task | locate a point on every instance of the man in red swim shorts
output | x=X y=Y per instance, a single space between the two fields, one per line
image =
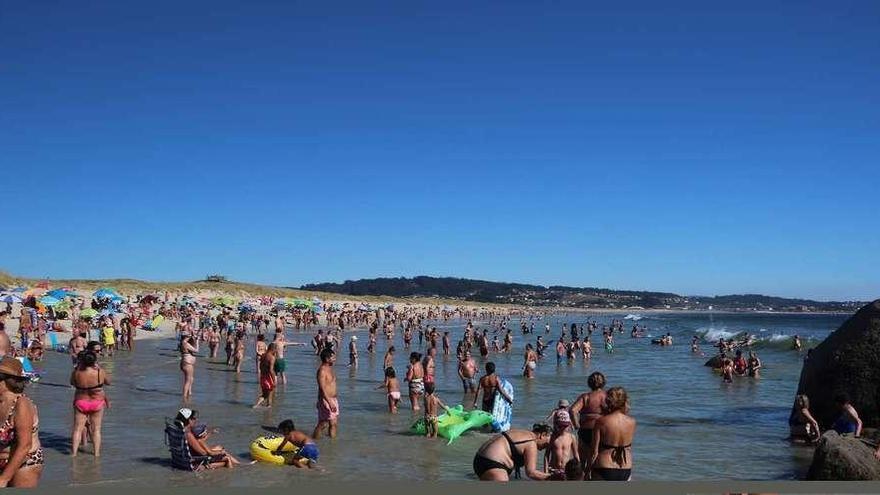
x=267 y=377
x=328 y=404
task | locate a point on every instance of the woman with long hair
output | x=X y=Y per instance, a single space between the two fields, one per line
x=613 y=432
x=89 y=401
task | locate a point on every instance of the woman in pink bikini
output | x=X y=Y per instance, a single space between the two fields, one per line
x=88 y=400
x=21 y=455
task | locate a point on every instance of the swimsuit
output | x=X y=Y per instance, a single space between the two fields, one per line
x=483 y=463
x=619 y=456
x=469 y=383
x=324 y=409
x=90 y=405
x=309 y=451
x=8 y=439
x=280 y=365
x=843 y=425
x=613 y=474
x=394 y=394
x=267 y=384
x=416 y=386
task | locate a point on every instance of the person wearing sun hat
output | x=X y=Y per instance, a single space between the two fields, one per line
x=195 y=438
x=21 y=455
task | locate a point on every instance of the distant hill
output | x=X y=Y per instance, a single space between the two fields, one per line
x=580 y=297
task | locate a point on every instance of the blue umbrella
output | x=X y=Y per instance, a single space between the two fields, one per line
x=10 y=298
x=49 y=301
x=105 y=293
x=59 y=293
x=19 y=289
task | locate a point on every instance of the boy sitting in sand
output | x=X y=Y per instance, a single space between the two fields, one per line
x=307 y=454
x=432 y=405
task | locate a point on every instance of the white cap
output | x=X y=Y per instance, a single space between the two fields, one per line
x=186 y=413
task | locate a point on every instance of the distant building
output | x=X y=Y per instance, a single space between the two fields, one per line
x=215 y=278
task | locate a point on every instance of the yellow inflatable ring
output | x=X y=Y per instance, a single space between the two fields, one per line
x=263 y=450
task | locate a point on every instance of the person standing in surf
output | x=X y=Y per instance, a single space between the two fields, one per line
x=328 y=402
x=587 y=408
x=489 y=384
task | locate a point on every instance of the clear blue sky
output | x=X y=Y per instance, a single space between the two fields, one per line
x=696 y=147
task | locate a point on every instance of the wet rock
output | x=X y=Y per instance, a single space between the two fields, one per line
x=847 y=361
x=843 y=458
x=714 y=362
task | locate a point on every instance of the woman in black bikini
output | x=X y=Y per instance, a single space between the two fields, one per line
x=508 y=452
x=611 y=458
x=584 y=412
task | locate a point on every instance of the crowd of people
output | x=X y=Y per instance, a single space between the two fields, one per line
x=588 y=439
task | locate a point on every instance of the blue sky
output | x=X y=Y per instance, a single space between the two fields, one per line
x=680 y=146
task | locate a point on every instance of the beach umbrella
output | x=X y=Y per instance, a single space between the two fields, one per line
x=49 y=301
x=36 y=291
x=19 y=289
x=316 y=300
x=59 y=293
x=105 y=293
x=88 y=313
x=10 y=298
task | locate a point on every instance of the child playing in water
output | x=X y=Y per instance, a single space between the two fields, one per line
x=392 y=386
x=307 y=454
x=560 y=416
x=432 y=405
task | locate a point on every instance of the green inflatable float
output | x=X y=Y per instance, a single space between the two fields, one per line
x=455 y=422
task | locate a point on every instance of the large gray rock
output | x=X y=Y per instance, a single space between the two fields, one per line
x=714 y=361
x=838 y=458
x=847 y=361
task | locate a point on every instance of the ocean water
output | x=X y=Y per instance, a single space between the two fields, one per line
x=691 y=426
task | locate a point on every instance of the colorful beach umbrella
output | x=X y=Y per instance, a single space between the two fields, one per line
x=105 y=293
x=89 y=313
x=10 y=298
x=49 y=301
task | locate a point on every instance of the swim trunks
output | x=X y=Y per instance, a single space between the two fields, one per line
x=469 y=383
x=280 y=365
x=267 y=384
x=324 y=409
x=416 y=386
x=309 y=451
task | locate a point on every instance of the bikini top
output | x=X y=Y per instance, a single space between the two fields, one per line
x=586 y=413
x=519 y=459
x=619 y=452
x=93 y=387
x=7 y=431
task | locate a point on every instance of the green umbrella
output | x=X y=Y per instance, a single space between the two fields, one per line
x=89 y=313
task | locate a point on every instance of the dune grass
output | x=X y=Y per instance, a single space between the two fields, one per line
x=232 y=288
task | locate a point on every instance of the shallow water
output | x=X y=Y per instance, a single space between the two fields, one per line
x=691 y=426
